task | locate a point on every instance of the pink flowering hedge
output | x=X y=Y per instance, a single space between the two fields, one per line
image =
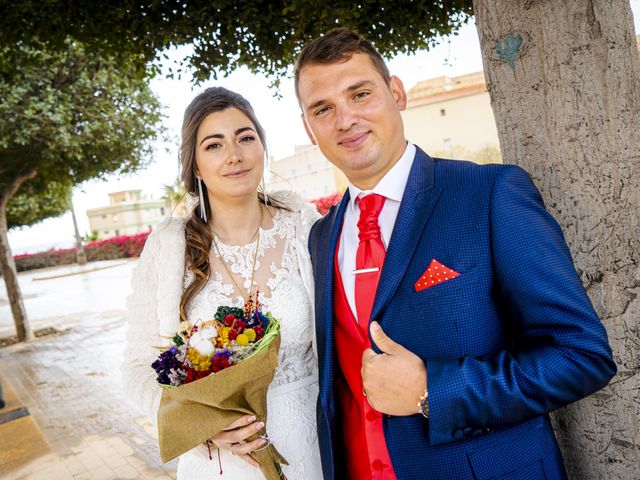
x=323 y=204
x=122 y=246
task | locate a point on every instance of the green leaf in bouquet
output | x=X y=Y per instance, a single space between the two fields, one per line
x=269 y=334
x=222 y=312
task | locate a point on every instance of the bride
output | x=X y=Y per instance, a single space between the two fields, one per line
x=236 y=240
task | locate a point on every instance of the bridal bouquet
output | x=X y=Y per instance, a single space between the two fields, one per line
x=214 y=373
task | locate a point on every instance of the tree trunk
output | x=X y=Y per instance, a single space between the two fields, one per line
x=564 y=81
x=81 y=257
x=23 y=330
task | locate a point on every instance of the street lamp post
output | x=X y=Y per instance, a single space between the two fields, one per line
x=81 y=256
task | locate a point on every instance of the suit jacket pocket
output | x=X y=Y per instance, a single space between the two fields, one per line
x=519 y=458
x=535 y=471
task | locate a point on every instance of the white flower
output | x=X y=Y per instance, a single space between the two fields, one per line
x=209 y=332
x=203 y=346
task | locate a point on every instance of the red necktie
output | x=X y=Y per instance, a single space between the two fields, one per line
x=369 y=256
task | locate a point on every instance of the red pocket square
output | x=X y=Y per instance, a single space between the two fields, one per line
x=435 y=274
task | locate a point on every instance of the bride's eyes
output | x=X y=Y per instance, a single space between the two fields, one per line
x=244 y=139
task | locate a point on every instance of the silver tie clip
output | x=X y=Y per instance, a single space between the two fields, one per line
x=366 y=270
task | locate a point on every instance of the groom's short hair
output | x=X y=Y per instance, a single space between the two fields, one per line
x=338 y=45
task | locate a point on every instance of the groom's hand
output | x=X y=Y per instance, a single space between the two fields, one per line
x=395 y=379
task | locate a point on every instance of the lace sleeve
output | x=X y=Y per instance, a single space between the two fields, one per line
x=138 y=378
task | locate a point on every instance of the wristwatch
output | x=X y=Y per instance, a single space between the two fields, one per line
x=423 y=404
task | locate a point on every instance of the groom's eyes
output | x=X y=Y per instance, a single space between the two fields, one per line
x=320 y=111
x=361 y=95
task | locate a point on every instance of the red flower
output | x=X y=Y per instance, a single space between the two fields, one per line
x=259 y=332
x=323 y=204
x=220 y=363
x=233 y=334
x=191 y=375
x=228 y=320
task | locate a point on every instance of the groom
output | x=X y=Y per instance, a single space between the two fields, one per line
x=450 y=320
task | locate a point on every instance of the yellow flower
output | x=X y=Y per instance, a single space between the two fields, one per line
x=198 y=361
x=223 y=337
x=242 y=339
x=250 y=333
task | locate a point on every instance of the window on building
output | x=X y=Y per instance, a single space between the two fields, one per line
x=162 y=211
x=104 y=216
x=443 y=112
x=447 y=144
x=117 y=232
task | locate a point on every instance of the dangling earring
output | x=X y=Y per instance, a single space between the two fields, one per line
x=267 y=200
x=203 y=210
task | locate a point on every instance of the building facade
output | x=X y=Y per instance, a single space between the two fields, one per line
x=128 y=213
x=450 y=116
x=307 y=172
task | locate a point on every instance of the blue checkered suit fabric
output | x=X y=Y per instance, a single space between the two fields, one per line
x=510 y=339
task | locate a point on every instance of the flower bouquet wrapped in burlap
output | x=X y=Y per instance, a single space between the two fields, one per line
x=216 y=372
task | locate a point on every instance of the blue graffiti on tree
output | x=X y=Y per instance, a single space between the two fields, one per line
x=507 y=48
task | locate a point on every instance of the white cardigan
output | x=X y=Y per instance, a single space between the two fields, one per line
x=157 y=284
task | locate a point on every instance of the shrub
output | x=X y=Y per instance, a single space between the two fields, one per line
x=122 y=246
x=323 y=204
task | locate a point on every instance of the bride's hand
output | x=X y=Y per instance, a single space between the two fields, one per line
x=233 y=437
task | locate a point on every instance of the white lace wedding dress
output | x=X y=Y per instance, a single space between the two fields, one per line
x=291 y=399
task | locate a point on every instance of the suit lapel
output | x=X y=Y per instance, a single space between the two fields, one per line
x=418 y=200
x=325 y=319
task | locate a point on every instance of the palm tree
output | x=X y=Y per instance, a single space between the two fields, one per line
x=175 y=197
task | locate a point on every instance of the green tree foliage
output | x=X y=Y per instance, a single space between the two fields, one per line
x=38 y=199
x=70 y=117
x=262 y=35
x=486 y=154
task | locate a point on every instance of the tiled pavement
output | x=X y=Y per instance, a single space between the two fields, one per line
x=70 y=384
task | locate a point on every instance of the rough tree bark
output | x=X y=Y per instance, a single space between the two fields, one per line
x=23 y=330
x=564 y=81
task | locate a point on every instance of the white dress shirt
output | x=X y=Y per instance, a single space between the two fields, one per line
x=391 y=186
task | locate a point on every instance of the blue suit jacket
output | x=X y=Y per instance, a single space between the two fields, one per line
x=510 y=339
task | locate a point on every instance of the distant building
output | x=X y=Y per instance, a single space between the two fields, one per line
x=128 y=213
x=449 y=114
x=307 y=172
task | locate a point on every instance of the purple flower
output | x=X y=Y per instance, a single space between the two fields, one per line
x=222 y=353
x=167 y=365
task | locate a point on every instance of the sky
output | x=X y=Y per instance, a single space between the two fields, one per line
x=455 y=55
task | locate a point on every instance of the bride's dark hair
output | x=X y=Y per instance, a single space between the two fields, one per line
x=197 y=233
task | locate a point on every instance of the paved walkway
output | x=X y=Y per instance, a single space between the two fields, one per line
x=70 y=385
